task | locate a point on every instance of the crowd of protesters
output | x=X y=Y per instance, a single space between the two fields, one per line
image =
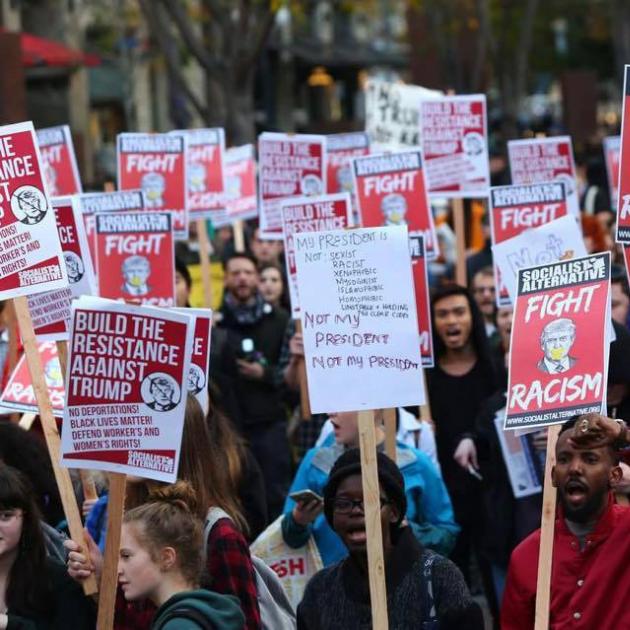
x=454 y=534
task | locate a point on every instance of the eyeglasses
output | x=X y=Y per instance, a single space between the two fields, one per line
x=6 y=516
x=342 y=505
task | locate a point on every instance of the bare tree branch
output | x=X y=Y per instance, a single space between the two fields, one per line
x=259 y=41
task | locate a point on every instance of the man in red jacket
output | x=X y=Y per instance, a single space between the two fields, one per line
x=590 y=580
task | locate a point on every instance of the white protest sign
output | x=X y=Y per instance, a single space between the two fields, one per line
x=359 y=319
x=551 y=242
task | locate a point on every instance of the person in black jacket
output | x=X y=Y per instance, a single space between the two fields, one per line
x=255 y=333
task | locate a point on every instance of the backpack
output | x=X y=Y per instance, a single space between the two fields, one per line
x=187 y=613
x=276 y=612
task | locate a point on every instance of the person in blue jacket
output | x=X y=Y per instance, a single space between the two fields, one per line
x=429 y=509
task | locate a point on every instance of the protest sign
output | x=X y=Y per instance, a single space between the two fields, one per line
x=392 y=114
x=205 y=176
x=520 y=459
x=391 y=190
x=59 y=161
x=623 y=188
x=455 y=146
x=423 y=304
x=158 y=165
x=30 y=253
x=18 y=395
x=310 y=214
x=50 y=311
x=544 y=160
x=559 y=345
x=557 y=240
x=240 y=183
x=612 y=148
x=135 y=257
x=340 y=149
x=514 y=209
x=126 y=388
x=359 y=324
x=200 y=359
x=290 y=166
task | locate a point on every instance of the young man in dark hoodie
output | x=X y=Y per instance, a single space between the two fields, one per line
x=424 y=590
x=255 y=332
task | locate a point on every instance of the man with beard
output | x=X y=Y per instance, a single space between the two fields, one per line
x=255 y=331
x=590 y=578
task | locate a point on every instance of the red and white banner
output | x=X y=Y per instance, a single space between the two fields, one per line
x=612 y=148
x=135 y=257
x=59 y=161
x=312 y=214
x=30 y=252
x=240 y=183
x=341 y=148
x=18 y=395
x=291 y=165
x=623 y=189
x=206 y=182
x=455 y=146
x=423 y=303
x=559 y=346
x=514 y=209
x=391 y=190
x=158 y=165
x=544 y=160
x=50 y=311
x=126 y=388
x=200 y=359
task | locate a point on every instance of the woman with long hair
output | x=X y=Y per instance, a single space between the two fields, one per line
x=35 y=591
x=228 y=561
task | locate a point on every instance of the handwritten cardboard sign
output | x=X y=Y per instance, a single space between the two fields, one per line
x=126 y=388
x=559 y=346
x=59 y=161
x=359 y=324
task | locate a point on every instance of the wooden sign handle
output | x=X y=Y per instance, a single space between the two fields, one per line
x=374 y=532
x=204 y=262
x=460 y=236
x=239 y=236
x=543 y=588
x=389 y=417
x=305 y=401
x=109 y=575
x=49 y=427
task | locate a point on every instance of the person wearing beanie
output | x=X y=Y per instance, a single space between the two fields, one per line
x=423 y=588
x=428 y=507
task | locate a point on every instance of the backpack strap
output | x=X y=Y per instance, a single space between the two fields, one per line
x=188 y=613
x=214 y=515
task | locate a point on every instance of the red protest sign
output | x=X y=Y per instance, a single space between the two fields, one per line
x=18 y=395
x=126 y=388
x=455 y=145
x=200 y=358
x=59 y=161
x=30 y=252
x=545 y=160
x=290 y=166
x=312 y=214
x=391 y=190
x=50 y=311
x=135 y=257
x=559 y=345
x=612 y=147
x=206 y=186
x=623 y=189
x=514 y=209
x=157 y=164
x=341 y=148
x=423 y=304
x=240 y=183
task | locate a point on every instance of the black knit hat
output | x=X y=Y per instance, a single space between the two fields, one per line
x=389 y=476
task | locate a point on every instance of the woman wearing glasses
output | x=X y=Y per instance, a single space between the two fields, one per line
x=36 y=593
x=424 y=590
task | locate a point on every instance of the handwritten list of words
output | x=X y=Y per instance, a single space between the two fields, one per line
x=359 y=319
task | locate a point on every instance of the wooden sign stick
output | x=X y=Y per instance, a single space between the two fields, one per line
x=204 y=261
x=109 y=576
x=460 y=236
x=12 y=350
x=373 y=530
x=389 y=417
x=239 y=236
x=545 y=554
x=49 y=427
x=87 y=483
x=305 y=402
